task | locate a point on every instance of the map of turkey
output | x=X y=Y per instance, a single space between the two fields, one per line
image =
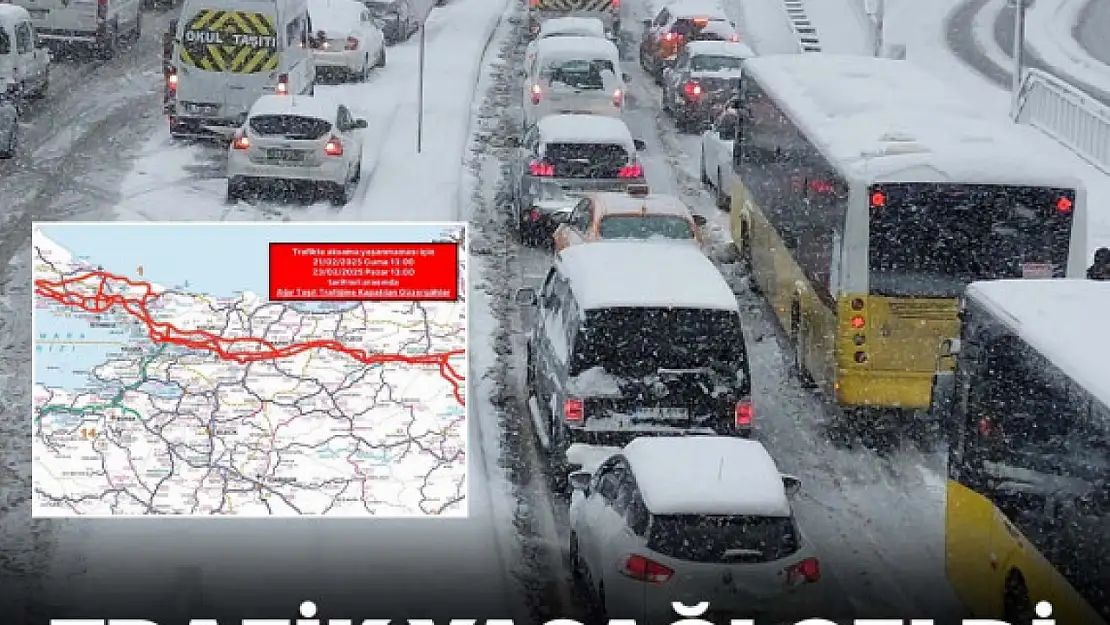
x=167 y=400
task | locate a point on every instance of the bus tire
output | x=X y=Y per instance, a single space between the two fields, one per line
x=1016 y=605
x=797 y=335
x=745 y=255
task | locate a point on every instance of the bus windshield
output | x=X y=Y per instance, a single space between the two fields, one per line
x=930 y=240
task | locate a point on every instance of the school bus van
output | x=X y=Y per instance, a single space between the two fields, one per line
x=1027 y=417
x=228 y=53
x=868 y=195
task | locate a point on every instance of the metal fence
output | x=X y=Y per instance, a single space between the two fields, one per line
x=1065 y=113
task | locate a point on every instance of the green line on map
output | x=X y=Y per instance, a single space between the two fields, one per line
x=115 y=402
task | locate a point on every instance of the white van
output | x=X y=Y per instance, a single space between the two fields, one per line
x=103 y=25
x=24 y=65
x=228 y=53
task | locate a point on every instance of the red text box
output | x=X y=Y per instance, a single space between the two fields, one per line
x=364 y=272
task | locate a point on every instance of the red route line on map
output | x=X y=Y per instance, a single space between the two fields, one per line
x=165 y=332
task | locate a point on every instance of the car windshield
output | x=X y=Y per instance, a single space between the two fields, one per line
x=586 y=160
x=723 y=539
x=636 y=342
x=714 y=63
x=932 y=240
x=645 y=227
x=289 y=126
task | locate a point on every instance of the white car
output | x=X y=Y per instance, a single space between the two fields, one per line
x=573 y=75
x=298 y=139
x=691 y=519
x=717 y=145
x=24 y=63
x=347 y=39
x=566 y=27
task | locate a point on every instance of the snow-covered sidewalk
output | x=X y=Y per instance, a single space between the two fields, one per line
x=1050 y=32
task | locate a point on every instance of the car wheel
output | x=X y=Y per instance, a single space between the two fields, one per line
x=746 y=262
x=381 y=57
x=704 y=174
x=1016 y=605
x=798 y=333
x=724 y=202
x=234 y=190
x=575 y=558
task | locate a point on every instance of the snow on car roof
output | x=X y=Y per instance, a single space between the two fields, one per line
x=576 y=48
x=559 y=25
x=582 y=128
x=712 y=475
x=644 y=274
x=12 y=12
x=609 y=202
x=719 y=48
x=301 y=105
x=335 y=16
x=1064 y=319
x=886 y=120
x=683 y=9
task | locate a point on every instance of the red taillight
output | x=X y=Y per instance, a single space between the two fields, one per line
x=858 y=322
x=540 y=168
x=734 y=38
x=172 y=81
x=333 y=147
x=821 y=186
x=692 y=89
x=805 y=572
x=574 y=410
x=642 y=569
x=241 y=141
x=1064 y=204
x=618 y=98
x=986 y=428
x=669 y=37
x=614 y=4
x=537 y=93
x=352 y=43
x=635 y=170
x=878 y=199
x=534 y=4
x=744 y=414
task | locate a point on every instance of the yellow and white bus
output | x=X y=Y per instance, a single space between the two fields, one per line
x=1027 y=414
x=868 y=196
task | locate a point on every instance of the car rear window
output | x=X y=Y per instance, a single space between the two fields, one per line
x=290 y=126
x=714 y=63
x=723 y=539
x=577 y=74
x=645 y=227
x=586 y=160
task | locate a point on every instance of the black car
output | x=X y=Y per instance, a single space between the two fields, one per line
x=396 y=18
x=633 y=338
x=705 y=76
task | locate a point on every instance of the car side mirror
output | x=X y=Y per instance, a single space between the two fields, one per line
x=700 y=220
x=560 y=217
x=791 y=484
x=640 y=145
x=580 y=480
x=359 y=124
x=527 y=297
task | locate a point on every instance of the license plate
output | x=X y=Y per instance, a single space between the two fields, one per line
x=204 y=109
x=663 y=414
x=38 y=13
x=285 y=155
x=1036 y=271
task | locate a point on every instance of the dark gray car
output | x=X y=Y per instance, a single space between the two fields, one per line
x=9 y=128
x=397 y=18
x=567 y=154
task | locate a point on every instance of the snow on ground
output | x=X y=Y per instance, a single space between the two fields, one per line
x=982 y=31
x=178 y=181
x=842 y=27
x=184 y=182
x=1050 y=32
x=920 y=26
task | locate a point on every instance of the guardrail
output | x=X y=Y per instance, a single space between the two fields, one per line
x=1066 y=113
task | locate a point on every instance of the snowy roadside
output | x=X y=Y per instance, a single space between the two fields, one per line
x=1050 y=32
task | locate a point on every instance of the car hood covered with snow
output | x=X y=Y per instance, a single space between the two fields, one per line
x=336 y=17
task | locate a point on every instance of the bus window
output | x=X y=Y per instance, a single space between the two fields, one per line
x=931 y=240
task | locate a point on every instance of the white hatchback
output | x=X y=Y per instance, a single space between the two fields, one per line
x=347 y=40
x=299 y=139
x=692 y=519
x=573 y=75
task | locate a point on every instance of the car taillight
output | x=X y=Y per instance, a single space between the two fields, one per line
x=333 y=147
x=743 y=414
x=614 y=4
x=534 y=4
x=537 y=93
x=734 y=37
x=669 y=37
x=643 y=569
x=807 y=571
x=692 y=89
x=540 y=168
x=283 y=84
x=574 y=409
x=618 y=98
x=241 y=141
x=352 y=44
x=635 y=170
x=172 y=81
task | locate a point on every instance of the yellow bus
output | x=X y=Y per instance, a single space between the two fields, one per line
x=1027 y=415
x=868 y=196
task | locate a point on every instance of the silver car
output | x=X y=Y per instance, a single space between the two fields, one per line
x=9 y=128
x=564 y=154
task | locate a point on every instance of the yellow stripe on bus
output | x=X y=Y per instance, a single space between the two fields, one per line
x=201 y=19
x=253 y=63
x=217 y=58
